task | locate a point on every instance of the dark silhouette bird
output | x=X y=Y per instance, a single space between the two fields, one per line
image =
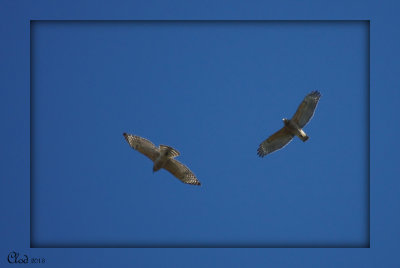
x=292 y=127
x=163 y=157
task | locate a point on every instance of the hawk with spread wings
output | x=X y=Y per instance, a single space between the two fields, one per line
x=163 y=157
x=292 y=127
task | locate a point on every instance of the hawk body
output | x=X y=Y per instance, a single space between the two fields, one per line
x=162 y=157
x=295 y=129
x=292 y=127
x=166 y=153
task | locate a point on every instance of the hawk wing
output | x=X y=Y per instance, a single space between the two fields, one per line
x=142 y=145
x=306 y=109
x=276 y=141
x=181 y=171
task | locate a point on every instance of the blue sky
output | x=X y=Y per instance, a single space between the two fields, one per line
x=213 y=91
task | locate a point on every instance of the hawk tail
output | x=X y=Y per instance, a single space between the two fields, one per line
x=304 y=139
x=170 y=151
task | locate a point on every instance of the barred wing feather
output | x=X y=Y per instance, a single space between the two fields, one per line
x=306 y=109
x=276 y=141
x=181 y=171
x=143 y=145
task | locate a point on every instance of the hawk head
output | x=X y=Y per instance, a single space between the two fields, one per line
x=285 y=121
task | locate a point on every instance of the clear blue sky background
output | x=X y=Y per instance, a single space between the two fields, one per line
x=214 y=91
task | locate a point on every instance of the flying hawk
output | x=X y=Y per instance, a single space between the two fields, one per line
x=163 y=157
x=292 y=127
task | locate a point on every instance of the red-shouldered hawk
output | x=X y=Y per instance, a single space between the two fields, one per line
x=163 y=157
x=292 y=127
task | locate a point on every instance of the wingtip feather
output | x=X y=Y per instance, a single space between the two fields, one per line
x=316 y=94
x=260 y=152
